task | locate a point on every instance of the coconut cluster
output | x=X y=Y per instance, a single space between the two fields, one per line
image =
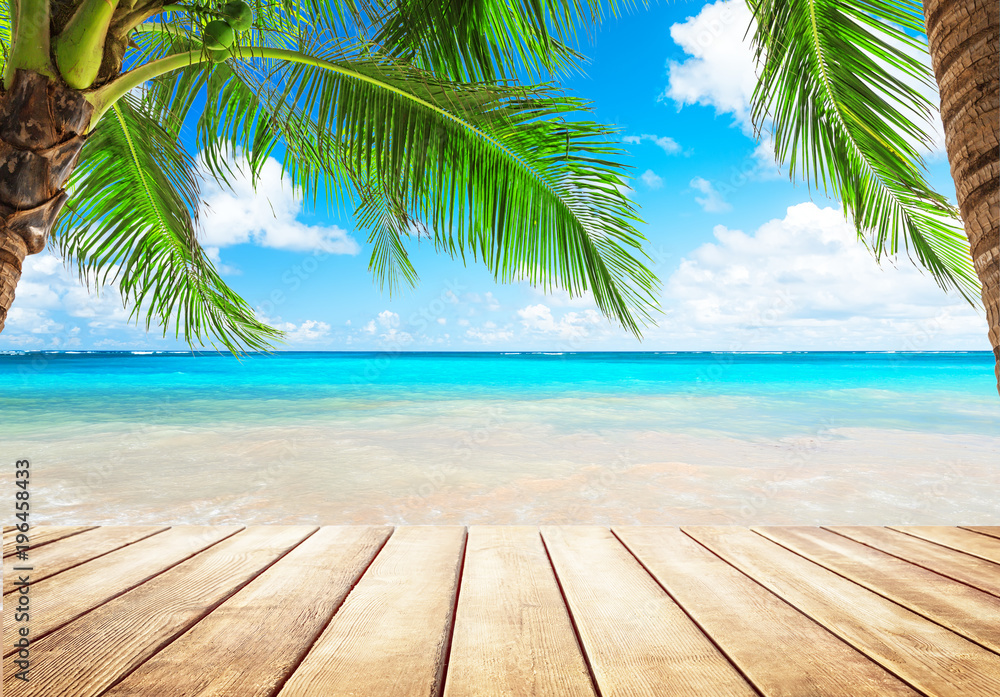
x=220 y=34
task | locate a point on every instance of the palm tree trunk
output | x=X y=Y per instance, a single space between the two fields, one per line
x=963 y=37
x=42 y=129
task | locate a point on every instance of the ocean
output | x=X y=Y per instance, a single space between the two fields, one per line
x=531 y=438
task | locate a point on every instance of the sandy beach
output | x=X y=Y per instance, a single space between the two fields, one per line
x=484 y=470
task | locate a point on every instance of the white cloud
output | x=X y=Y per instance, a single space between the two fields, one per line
x=489 y=333
x=668 y=145
x=33 y=321
x=720 y=72
x=388 y=319
x=573 y=325
x=766 y=165
x=47 y=286
x=537 y=317
x=805 y=282
x=487 y=299
x=651 y=179
x=308 y=331
x=561 y=298
x=712 y=201
x=266 y=216
x=386 y=325
x=224 y=269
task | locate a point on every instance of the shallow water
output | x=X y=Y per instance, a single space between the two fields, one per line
x=506 y=438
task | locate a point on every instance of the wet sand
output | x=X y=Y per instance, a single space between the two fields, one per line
x=484 y=468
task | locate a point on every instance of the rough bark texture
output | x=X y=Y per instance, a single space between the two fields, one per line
x=42 y=129
x=963 y=37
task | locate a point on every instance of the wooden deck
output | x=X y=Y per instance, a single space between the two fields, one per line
x=519 y=611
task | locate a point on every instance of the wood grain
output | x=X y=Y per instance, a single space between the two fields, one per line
x=39 y=535
x=183 y=613
x=513 y=634
x=991 y=530
x=973 y=543
x=390 y=637
x=923 y=654
x=73 y=551
x=87 y=656
x=64 y=597
x=975 y=572
x=964 y=610
x=781 y=651
x=637 y=640
x=248 y=646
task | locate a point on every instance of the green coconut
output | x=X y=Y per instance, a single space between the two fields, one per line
x=238 y=14
x=218 y=35
x=219 y=55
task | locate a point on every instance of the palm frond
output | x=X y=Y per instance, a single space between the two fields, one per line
x=468 y=40
x=130 y=221
x=238 y=112
x=489 y=39
x=839 y=84
x=383 y=214
x=493 y=171
x=496 y=172
x=247 y=117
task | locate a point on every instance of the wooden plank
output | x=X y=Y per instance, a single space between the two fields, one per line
x=975 y=572
x=64 y=597
x=39 y=535
x=964 y=610
x=973 y=543
x=929 y=657
x=513 y=634
x=390 y=637
x=86 y=657
x=781 y=651
x=69 y=552
x=991 y=530
x=637 y=640
x=249 y=645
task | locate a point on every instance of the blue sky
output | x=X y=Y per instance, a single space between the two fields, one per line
x=748 y=260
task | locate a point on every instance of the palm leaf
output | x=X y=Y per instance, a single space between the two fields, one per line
x=837 y=84
x=383 y=214
x=240 y=113
x=246 y=117
x=130 y=221
x=493 y=171
x=475 y=40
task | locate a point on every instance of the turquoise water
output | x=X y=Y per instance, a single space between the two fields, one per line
x=745 y=395
x=528 y=438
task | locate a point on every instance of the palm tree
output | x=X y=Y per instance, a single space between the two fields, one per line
x=840 y=89
x=963 y=38
x=409 y=111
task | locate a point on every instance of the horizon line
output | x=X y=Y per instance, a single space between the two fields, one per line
x=509 y=352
